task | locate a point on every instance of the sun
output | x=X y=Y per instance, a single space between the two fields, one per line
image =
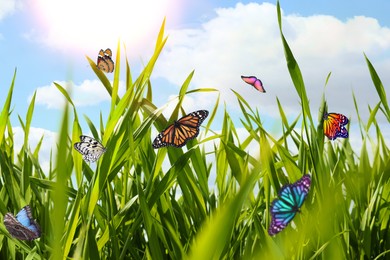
x=97 y=24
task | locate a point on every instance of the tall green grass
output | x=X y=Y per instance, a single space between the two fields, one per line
x=129 y=207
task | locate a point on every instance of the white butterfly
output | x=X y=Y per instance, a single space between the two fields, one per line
x=90 y=148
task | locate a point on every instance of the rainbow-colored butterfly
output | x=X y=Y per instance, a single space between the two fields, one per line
x=334 y=125
x=104 y=61
x=291 y=198
x=255 y=82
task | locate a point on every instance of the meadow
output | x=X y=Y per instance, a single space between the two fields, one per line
x=129 y=207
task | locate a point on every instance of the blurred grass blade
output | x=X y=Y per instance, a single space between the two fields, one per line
x=214 y=236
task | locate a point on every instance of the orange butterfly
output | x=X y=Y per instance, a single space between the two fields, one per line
x=334 y=125
x=181 y=131
x=104 y=61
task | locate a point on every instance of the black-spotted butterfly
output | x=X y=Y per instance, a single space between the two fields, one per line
x=90 y=148
x=181 y=131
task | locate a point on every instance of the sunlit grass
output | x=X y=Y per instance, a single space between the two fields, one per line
x=129 y=207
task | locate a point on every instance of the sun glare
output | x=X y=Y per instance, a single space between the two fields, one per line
x=82 y=25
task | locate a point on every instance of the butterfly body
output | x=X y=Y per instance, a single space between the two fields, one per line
x=181 y=131
x=104 y=61
x=23 y=226
x=284 y=208
x=90 y=148
x=334 y=125
x=255 y=82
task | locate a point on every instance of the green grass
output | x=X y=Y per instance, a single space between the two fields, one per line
x=130 y=208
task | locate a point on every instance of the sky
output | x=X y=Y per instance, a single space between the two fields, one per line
x=47 y=41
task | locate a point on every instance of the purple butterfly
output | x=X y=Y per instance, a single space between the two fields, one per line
x=291 y=198
x=255 y=82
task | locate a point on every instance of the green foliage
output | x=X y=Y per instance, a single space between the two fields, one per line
x=130 y=207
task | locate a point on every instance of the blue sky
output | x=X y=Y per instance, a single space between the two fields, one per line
x=48 y=40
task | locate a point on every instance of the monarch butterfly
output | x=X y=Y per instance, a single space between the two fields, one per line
x=23 y=226
x=89 y=148
x=181 y=131
x=334 y=125
x=255 y=82
x=291 y=198
x=104 y=61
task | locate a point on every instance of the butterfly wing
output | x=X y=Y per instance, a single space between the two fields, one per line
x=291 y=198
x=90 y=148
x=108 y=52
x=180 y=132
x=255 y=82
x=108 y=60
x=282 y=211
x=103 y=65
x=25 y=217
x=334 y=125
x=22 y=227
x=300 y=189
x=101 y=54
x=110 y=64
x=343 y=133
x=165 y=137
x=188 y=127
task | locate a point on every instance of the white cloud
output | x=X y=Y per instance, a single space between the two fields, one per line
x=8 y=7
x=88 y=93
x=331 y=38
x=245 y=40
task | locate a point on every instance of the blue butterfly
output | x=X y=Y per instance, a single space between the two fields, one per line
x=291 y=198
x=22 y=227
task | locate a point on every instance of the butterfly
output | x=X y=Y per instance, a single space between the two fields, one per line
x=181 y=131
x=104 y=61
x=334 y=125
x=255 y=82
x=23 y=226
x=291 y=198
x=89 y=148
